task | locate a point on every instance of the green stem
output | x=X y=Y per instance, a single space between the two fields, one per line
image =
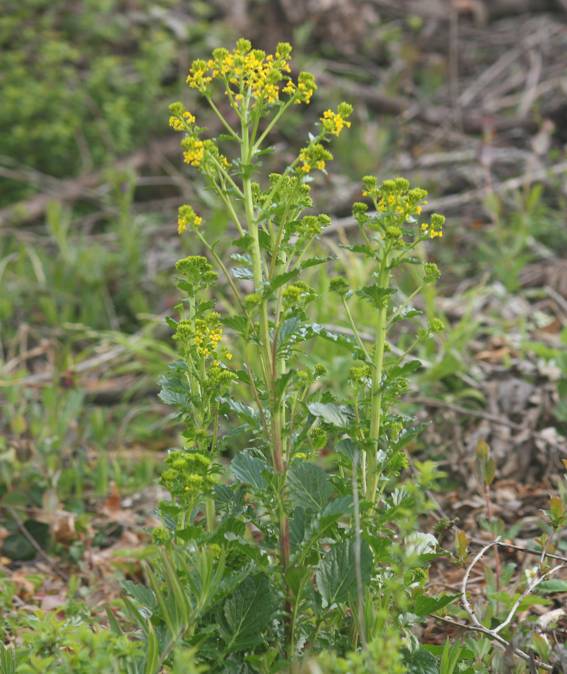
x=223 y=121
x=225 y=271
x=271 y=364
x=355 y=330
x=211 y=515
x=257 y=271
x=376 y=397
x=271 y=125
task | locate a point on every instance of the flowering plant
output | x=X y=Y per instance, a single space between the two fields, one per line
x=291 y=529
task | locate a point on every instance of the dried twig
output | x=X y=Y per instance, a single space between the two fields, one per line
x=519 y=548
x=494 y=633
x=74 y=188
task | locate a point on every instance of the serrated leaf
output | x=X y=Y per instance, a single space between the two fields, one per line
x=330 y=413
x=174 y=389
x=336 y=509
x=242 y=272
x=241 y=409
x=309 y=486
x=405 y=370
x=279 y=281
x=421 y=662
x=295 y=331
x=141 y=593
x=249 y=470
x=336 y=574
x=347 y=447
x=376 y=295
x=406 y=312
x=360 y=248
x=248 y=613
x=237 y=323
x=297 y=527
x=313 y=261
x=421 y=543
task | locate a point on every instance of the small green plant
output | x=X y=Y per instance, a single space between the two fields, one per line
x=292 y=528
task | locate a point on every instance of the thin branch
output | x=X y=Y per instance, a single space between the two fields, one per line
x=464 y=600
x=497 y=638
x=520 y=548
x=530 y=588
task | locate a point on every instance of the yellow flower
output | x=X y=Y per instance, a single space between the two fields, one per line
x=199 y=76
x=333 y=122
x=434 y=229
x=186 y=217
x=194 y=151
x=314 y=155
x=176 y=124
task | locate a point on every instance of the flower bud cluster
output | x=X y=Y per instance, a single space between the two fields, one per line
x=188 y=474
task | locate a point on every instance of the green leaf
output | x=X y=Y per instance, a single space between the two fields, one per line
x=249 y=470
x=141 y=593
x=309 y=486
x=425 y=605
x=336 y=575
x=405 y=370
x=152 y=654
x=241 y=409
x=297 y=527
x=421 y=662
x=336 y=509
x=242 y=273
x=336 y=415
x=553 y=585
x=420 y=543
x=248 y=613
x=279 y=281
x=347 y=447
x=313 y=261
x=174 y=387
x=377 y=296
x=360 y=248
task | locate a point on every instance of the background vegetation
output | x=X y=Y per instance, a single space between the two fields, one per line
x=464 y=98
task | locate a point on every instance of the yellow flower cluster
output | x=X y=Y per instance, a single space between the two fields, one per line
x=314 y=156
x=182 y=121
x=395 y=198
x=186 y=217
x=208 y=334
x=251 y=72
x=194 y=150
x=335 y=122
x=434 y=229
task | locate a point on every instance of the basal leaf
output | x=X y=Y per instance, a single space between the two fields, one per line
x=248 y=612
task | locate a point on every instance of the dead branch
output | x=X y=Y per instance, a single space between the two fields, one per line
x=73 y=189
